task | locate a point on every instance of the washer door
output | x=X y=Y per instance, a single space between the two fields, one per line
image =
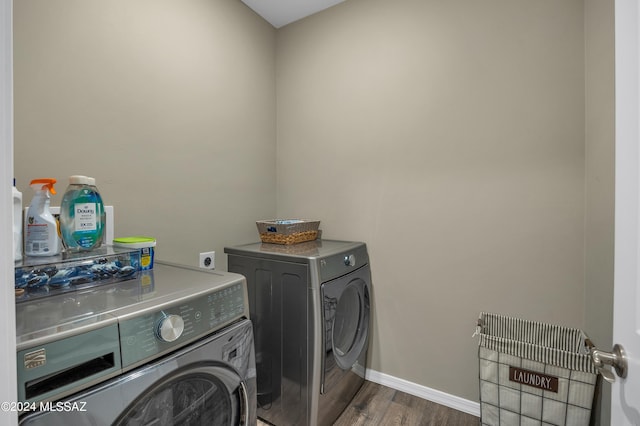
x=205 y=394
x=346 y=325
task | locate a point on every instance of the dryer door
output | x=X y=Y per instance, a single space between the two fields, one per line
x=346 y=326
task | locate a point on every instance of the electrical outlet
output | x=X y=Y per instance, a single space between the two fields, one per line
x=208 y=260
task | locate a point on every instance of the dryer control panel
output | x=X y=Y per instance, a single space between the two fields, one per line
x=149 y=335
x=340 y=264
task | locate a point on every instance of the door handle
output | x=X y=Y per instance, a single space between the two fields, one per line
x=616 y=358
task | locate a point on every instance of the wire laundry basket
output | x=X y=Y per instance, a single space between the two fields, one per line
x=533 y=373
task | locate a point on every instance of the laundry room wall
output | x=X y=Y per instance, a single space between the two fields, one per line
x=449 y=136
x=169 y=105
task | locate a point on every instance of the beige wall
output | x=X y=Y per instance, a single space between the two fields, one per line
x=450 y=137
x=599 y=180
x=169 y=105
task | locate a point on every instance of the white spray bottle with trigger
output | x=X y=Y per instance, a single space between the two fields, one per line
x=41 y=229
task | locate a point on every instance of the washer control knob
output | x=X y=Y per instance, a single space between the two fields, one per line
x=350 y=260
x=170 y=328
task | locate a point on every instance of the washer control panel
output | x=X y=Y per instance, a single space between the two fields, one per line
x=148 y=335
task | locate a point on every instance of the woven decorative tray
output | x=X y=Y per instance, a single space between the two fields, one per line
x=289 y=231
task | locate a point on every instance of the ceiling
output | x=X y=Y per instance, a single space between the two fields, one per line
x=282 y=12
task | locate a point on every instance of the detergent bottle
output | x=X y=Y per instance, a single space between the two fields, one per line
x=82 y=215
x=41 y=229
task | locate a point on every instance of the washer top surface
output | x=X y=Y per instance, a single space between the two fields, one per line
x=166 y=285
x=305 y=252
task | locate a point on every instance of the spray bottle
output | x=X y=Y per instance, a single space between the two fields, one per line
x=41 y=230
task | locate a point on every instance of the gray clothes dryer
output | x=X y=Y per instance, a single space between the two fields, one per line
x=310 y=308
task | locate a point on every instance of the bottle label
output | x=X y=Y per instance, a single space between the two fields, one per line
x=85 y=217
x=37 y=237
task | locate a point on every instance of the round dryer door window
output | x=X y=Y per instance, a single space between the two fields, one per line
x=350 y=324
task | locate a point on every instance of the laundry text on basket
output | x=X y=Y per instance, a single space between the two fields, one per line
x=532 y=378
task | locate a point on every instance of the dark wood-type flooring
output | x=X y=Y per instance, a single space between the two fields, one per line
x=379 y=405
x=375 y=404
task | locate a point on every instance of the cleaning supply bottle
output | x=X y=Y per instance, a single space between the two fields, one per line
x=82 y=215
x=17 y=223
x=41 y=230
x=103 y=212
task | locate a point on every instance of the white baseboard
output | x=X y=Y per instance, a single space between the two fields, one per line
x=424 y=392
